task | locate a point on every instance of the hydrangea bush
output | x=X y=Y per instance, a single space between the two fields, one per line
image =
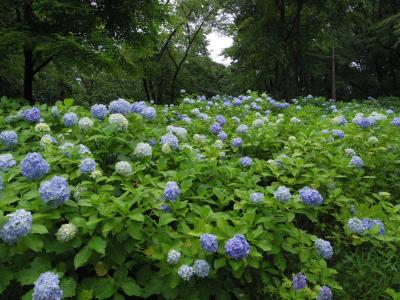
x=126 y=199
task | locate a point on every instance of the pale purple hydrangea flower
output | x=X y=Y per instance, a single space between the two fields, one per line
x=99 y=111
x=70 y=119
x=119 y=106
x=299 y=281
x=171 y=191
x=209 y=242
x=257 y=197
x=237 y=247
x=7 y=161
x=310 y=196
x=8 y=138
x=87 y=165
x=201 y=268
x=173 y=257
x=54 y=191
x=324 y=248
x=282 y=193
x=34 y=167
x=171 y=140
x=47 y=287
x=325 y=293
x=246 y=161
x=356 y=162
x=19 y=224
x=237 y=142
x=215 y=128
x=31 y=115
x=185 y=272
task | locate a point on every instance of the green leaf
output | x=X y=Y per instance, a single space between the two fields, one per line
x=104 y=288
x=219 y=263
x=82 y=257
x=33 y=242
x=68 y=285
x=68 y=102
x=38 y=228
x=165 y=219
x=5 y=278
x=137 y=216
x=29 y=275
x=97 y=244
x=131 y=288
x=264 y=245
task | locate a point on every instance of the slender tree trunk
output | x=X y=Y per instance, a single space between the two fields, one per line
x=28 y=75
x=333 y=74
x=146 y=89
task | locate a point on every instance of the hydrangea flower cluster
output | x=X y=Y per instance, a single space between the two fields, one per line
x=171 y=140
x=199 y=138
x=99 y=111
x=257 y=197
x=324 y=248
x=47 y=287
x=339 y=120
x=360 y=226
x=55 y=112
x=87 y=165
x=241 y=129
x=338 y=133
x=173 y=257
x=149 y=113
x=185 y=272
x=70 y=119
x=222 y=136
x=220 y=119
x=138 y=107
x=246 y=161
x=299 y=281
x=19 y=224
x=171 y=191
x=396 y=122
x=7 y=161
x=8 y=138
x=215 y=128
x=85 y=123
x=123 y=168
x=143 y=150
x=356 y=162
x=119 y=120
x=46 y=140
x=31 y=115
x=236 y=142
x=237 y=247
x=178 y=131
x=34 y=167
x=54 y=191
x=350 y=152
x=295 y=120
x=201 y=268
x=66 y=232
x=209 y=242
x=310 y=196
x=119 y=106
x=325 y=293
x=283 y=194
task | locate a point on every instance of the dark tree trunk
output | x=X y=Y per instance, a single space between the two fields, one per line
x=28 y=75
x=333 y=74
x=146 y=89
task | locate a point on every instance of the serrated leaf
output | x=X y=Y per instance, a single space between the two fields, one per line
x=97 y=244
x=165 y=219
x=104 y=288
x=68 y=285
x=29 y=275
x=5 y=278
x=38 y=228
x=82 y=257
x=131 y=288
x=33 y=242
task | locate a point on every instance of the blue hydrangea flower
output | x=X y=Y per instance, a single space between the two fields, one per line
x=138 y=107
x=246 y=161
x=47 y=287
x=171 y=191
x=366 y=122
x=99 y=111
x=356 y=225
x=338 y=133
x=201 y=268
x=283 y=194
x=220 y=119
x=170 y=139
x=241 y=129
x=237 y=247
x=215 y=128
x=19 y=224
x=70 y=119
x=31 y=115
x=396 y=122
x=324 y=248
x=325 y=293
x=7 y=161
x=55 y=112
x=54 y=191
x=173 y=257
x=368 y=224
x=325 y=131
x=222 y=136
x=356 y=161
x=209 y=242
x=149 y=113
x=84 y=150
x=299 y=281
x=257 y=197
x=34 y=167
x=310 y=196
x=8 y=138
x=119 y=106
x=87 y=165
x=165 y=208
x=185 y=272
x=236 y=142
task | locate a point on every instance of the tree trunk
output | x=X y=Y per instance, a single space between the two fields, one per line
x=28 y=75
x=146 y=89
x=333 y=74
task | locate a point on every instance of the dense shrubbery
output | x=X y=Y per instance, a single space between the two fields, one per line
x=244 y=197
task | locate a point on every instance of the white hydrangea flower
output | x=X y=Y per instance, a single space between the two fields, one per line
x=119 y=120
x=42 y=127
x=143 y=150
x=85 y=123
